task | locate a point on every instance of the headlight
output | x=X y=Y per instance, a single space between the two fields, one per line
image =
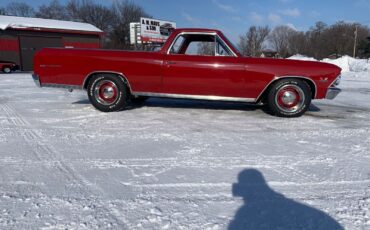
x=337 y=81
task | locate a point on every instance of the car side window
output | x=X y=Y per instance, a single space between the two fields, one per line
x=200 y=45
x=222 y=49
x=201 y=48
x=176 y=47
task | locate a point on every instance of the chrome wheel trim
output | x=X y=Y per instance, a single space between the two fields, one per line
x=290 y=98
x=106 y=92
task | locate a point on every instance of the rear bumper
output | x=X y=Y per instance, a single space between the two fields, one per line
x=332 y=93
x=36 y=79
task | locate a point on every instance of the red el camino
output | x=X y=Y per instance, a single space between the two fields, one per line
x=8 y=67
x=192 y=64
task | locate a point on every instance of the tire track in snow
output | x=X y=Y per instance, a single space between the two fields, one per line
x=42 y=151
x=199 y=162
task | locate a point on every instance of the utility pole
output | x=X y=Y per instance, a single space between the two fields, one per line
x=355 y=43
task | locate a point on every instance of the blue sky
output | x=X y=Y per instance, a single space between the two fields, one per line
x=235 y=16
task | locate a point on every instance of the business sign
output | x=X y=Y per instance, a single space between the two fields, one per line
x=155 y=31
x=135 y=33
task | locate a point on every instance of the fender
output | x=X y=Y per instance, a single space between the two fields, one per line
x=277 y=78
x=121 y=75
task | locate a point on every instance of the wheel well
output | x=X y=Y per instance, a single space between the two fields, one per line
x=90 y=76
x=310 y=83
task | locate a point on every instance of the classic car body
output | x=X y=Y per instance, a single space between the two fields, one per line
x=8 y=67
x=180 y=70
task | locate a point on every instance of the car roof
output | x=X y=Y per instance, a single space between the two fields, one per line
x=180 y=30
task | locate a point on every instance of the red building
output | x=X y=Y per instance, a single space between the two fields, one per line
x=21 y=38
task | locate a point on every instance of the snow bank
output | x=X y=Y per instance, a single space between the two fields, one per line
x=21 y=22
x=301 y=58
x=342 y=62
x=347 y=63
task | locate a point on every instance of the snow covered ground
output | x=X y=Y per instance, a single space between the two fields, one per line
x=172 y=164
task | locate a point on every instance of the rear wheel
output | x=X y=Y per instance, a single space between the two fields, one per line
x=107 y=93
x=289 y=98
x=7 y=69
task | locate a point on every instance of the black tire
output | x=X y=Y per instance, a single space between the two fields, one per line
x=139 y=99
x=7 y=69
x=108 y=92
x=289 y=98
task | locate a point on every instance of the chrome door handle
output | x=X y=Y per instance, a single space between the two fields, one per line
x=171 y=62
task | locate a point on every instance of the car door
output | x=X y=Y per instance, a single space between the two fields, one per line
x=202 y=74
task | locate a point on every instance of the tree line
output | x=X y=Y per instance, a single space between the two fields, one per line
x=320 y=41
x=114 y=20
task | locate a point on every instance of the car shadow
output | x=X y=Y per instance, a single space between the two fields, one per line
x=82 y=102
x=197 y=104
x=266 y=209
x=185 y=104
x=313 y=108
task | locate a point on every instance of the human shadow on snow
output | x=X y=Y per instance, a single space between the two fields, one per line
x=266 y=209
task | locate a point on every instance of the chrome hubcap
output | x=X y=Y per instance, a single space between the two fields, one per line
x=290 y=98
x=106 y=92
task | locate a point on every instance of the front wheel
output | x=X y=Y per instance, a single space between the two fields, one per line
x=289 y=98
x=107 y=93
x=7 y=69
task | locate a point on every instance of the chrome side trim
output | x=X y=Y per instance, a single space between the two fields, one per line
x=332 y=93
x=62 y=86
x=276 y=78
x=109 y=72
x=200 y=33
x=36 y=79
x=195 y=97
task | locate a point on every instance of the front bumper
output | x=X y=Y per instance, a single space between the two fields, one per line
x=36 y=79
x=332 y=93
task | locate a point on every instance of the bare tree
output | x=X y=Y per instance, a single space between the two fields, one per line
x=20 y=9
x=90 y=12
x=114 y=21
x=322 y=40
x=343 y=38
x=54 y=10
x=317 y=41
x=298 y=43
x=251 y=43
x=279 y=39
x=125 y=12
